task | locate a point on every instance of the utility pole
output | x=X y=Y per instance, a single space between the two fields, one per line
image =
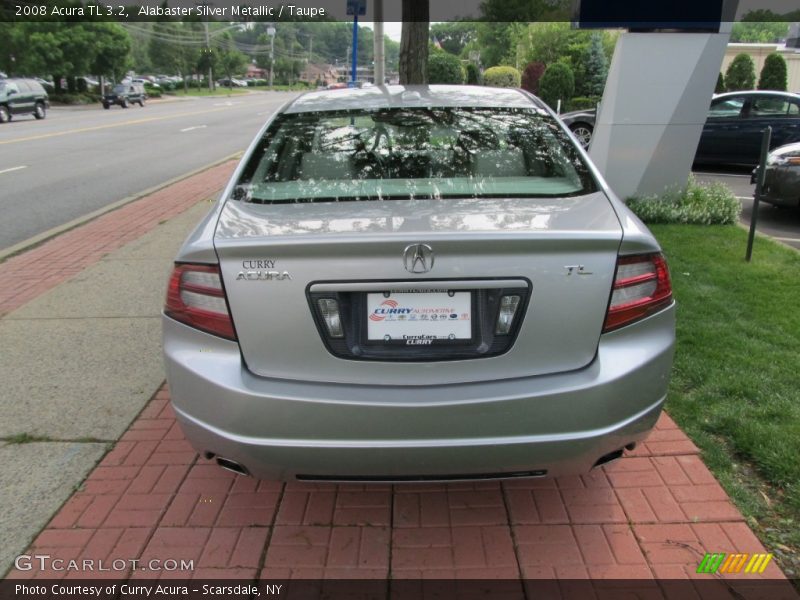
x=379 y=53
x=271 y=34
x=205 y=4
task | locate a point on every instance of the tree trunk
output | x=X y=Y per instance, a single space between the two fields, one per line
x=414 y=42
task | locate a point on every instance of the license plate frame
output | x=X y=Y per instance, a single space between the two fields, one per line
x=419 y=318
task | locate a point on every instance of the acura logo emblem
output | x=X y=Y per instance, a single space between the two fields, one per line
x=418 y=258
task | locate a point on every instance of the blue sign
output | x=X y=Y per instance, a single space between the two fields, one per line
x=357 y=7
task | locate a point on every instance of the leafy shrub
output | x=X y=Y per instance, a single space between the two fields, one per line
x=773 y=75
x=557 y=83
x=531 y=76
x=152 y=92
x=697 y=204
x=501 y=77
x=473 y=74
x=583 y=103
x=444 y=67
x=741 y=73
x=67 y=98
x=720 y=87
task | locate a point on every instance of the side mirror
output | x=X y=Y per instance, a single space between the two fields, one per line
x=12 y=92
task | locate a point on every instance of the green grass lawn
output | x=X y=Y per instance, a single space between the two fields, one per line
x=735 y=388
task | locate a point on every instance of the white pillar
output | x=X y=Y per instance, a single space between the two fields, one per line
x=378 y=46
x=654 y=106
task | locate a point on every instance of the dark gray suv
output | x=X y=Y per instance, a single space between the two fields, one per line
x=22 y=97
x=125 y=94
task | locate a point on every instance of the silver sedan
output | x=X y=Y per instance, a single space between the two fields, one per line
x=417 y=283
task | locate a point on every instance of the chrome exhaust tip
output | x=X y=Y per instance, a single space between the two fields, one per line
x=232 y=465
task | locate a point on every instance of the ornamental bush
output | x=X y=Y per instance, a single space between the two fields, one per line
x=741 y=74
x=444 y=67
x=697 y=204
x=531 y=77
x=501 y=77
x=773 y=75
x=557 y=83
x=473 y=74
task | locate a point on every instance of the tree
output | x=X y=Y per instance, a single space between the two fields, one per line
x=596 y=66
x=773 y=75
x=557 y=83
x=414 y=42
x=531 y=76
x=760 y=26
x=443 y=67
x=741 y=73
x=112 y=50
x=231 y=61
x=454 y=36
x=720 y=87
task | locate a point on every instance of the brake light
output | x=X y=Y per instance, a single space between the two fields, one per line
x=195 y=297
x=641 y=288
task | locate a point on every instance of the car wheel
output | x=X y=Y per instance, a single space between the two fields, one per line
x=124 y=104
x=5 y=116
x=141 y=102
x=106 y=105
x=39 y=112
x=583 y=132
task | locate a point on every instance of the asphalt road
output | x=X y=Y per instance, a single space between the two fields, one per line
x=782 y=224
x=79 y=160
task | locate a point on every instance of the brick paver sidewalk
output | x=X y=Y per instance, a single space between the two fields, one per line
x=650 y=515
x=58 y=259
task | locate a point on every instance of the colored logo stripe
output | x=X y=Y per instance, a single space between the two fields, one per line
x=721 y=562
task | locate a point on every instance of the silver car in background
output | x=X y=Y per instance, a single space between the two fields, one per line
x=417 y=283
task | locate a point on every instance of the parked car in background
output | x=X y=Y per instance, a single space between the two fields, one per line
x=231 y=83
x=736 y=122
x=416 y=283
x=581 y=123
x=733 y=129
x=20 y=96
x=125 y=94
x=781 y=177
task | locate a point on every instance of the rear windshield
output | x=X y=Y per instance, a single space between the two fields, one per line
x=407 y=153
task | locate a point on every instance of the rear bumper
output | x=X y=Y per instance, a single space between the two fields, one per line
x=281 y=429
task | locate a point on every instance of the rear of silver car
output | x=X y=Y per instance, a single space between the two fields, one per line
x=417 y=284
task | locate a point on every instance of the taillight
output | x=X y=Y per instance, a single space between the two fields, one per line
x=195 y=297
x=641 y=288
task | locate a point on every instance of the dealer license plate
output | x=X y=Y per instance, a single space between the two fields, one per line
x=419 y=318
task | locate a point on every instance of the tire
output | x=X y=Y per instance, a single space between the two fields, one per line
x=124 y=103
x=582 y=131
x=106 y=105
x=39 y=111
x=5 y=116
x=141 y=102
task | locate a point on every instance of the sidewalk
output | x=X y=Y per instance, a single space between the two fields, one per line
x=85 y=336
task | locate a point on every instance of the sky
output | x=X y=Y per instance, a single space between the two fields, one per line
x=391 y=29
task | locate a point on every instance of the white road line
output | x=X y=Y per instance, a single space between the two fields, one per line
x=743 y=197
x=193 y=128
x=13 y=169
x=228 y=103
